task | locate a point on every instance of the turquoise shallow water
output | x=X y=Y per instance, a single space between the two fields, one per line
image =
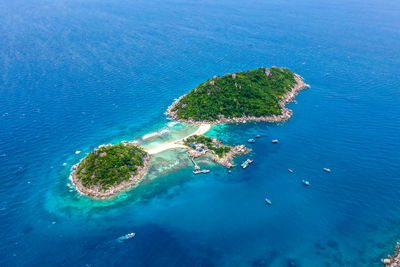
x=77 y=74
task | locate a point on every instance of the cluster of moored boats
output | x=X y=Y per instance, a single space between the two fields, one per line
x=246 y=163
x=252 y=140
x=304 y=181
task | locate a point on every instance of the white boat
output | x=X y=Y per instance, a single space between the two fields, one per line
x=327 y=170
x=77 y=152
x=129 y=236
x=290 y=170
x=305 y=182
x=268 y=201
x=126 y=237
x=275 y=141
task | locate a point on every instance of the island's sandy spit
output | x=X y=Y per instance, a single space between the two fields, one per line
x=203 y=128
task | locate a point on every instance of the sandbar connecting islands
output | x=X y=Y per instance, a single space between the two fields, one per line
x=255 y=95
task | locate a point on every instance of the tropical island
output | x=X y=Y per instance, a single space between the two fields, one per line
x=254 y=95
x=110 y=169
x=199 y=145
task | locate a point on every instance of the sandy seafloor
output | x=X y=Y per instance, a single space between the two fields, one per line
x=77 y=74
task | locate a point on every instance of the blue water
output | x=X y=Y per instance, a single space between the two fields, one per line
x=76 y=74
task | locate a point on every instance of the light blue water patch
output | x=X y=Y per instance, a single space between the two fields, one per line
x=78 y=74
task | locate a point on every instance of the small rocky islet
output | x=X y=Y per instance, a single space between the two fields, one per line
x=254 y=95
x=199 y=145
x=110 y=169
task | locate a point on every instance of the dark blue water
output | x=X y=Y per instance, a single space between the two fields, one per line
x=77 y=74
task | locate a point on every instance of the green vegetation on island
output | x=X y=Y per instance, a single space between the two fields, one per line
x=249 y=93
x=110 y=165
x=203 y=142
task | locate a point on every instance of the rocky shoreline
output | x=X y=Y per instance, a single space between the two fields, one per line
x=96 y=192
x=227 y=160
x=393 y=261
x=286 y=113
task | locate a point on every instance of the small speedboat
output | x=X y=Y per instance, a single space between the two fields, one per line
x=244 y=165
x=251 y=140
x=268 y=201
x=305 y=182
x=126 y=237
x=257 y=136
x=275 y=141
x=327 y=170
x=129 y=236
x=77 y=152
x=290 y=170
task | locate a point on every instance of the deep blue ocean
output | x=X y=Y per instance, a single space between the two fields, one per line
x=79 y=73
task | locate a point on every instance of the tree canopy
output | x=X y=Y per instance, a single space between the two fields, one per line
x=248 y=93
x=110 y=165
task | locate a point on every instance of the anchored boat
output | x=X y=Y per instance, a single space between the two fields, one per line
x=268 y=201
x=327 y=170
x=246 y=163
x=275 y=141
x=290 y=170
x=251 y=140
x=305 y=182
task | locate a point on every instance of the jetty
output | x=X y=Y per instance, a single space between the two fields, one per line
x=197 y=169
x=201 y=171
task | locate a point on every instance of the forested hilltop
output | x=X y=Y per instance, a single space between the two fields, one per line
x=253 y=93
x=109 y=169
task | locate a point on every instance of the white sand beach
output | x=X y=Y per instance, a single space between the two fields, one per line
x=203 y=128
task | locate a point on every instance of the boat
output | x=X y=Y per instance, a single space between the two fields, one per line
x=327 y=170
x=126 y=237
x=77 y=152
x=246 y=163
x=268 y=201
x=129 y=236
x=251 y=140
x=257 y=136
x=305 y=182
x=275 y=141
x=290 y=170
